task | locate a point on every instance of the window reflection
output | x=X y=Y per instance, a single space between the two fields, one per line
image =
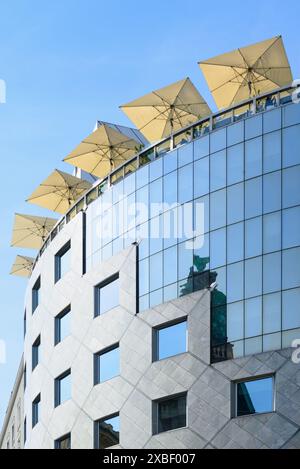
x=255 y=397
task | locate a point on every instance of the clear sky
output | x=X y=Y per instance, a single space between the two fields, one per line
x=67 y=63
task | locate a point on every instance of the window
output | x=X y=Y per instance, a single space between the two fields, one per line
x=107 y=364
x=62 y=325
x=25 y=430
x=107 y=295
x=107 y=432
x=170 y=340
x=25 y=377
x=36 y=410
x=169 y=414
x=24 y=323
x=62 y=261
x=62 y=388
x=36 y=352
x=36 y=294
x=64 y=442
x=255 y=396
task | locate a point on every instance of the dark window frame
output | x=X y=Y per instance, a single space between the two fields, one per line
x=36 y=410
x=35 y=358
x=234 y=394
x=155 y=412
x=57 y=324
x=96 y=429
x=155 y=337
x=36 y=294
x=58 y=442
x=57 y=260
x=25 y=430
x=97 y=289
x=57 y=387
x=97 y=358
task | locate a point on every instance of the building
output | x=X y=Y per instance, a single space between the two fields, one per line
x=144 y=342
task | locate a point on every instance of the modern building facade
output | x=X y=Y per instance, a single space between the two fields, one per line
x=142 y=335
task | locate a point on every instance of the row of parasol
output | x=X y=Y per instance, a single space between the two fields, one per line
x=232 y=78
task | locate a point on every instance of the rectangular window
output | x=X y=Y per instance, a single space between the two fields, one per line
x=107 y=432
x=169 y=414
x=106 y=364
x=170 y=340
x=36 y=294
x=36 y=352
x=64 y=442
x=254 y=396
x=36 y=410
x=62 y=388
x=62 y=261
x=107 y=295
x=62 y=325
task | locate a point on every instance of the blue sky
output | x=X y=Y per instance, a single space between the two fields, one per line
x=69 y=63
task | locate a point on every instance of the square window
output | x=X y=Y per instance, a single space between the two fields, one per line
x=36 y=352
x=62 y=261
x=107 y=364
x=36 y=410
x=107 y=432
x=62 y=325
x=169 y=414
x=62 y=388
x=255 y=396
x=64 y=442
x=107 y=295
x=36 y=294
x=170 y=340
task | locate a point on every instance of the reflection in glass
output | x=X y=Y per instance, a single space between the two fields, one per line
x=235 y=243
x=235 y=321
x=253 y=277
x=185 y=186
x=253 y=237
x=235 y=203
x=170 y=265
x=291 y=268
x=255 y=397
x=156 y=268
x=218 y=248
x=107 y=432
x=272 y=120
x=185 y=155
x=235 y=133
x=170 y=188
x=291 y=228
x=272 y=313
x=217 y=140
x=253 y=317
x=272 y=232
x=272 y=192
x=290 y=309
x=170 y=162
x=107 y=365
x=201 y=147
x=235 y=282
x=107 y=296
x=171 y=414
x=171 y=340
x=253 y=127
x=272 y=272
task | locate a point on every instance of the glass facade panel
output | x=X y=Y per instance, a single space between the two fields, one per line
x=272 y=313
x=253 y=317
x=291 y=268
x=201 y=177
x=272 y=232
x=235 y=243
x=235 y=133
x=218 y=209
x=290 y=309
x=272 y=152
x=235 y=203
x=253 y=237
x=235 y=282
x=185 y=154
x=291 y=228
x=291 y=187
x=253 y=158
x=253 y=277
x=253 y=198
x=235 y=321
x=253 y=127
x=272 y=192
x=201 y=147
x=170 y=188
x=291 y=146
x=218 y=170
x=185 y=187
x=218 y=140
x=235 y=164
x=272 y=272
x=272 y=120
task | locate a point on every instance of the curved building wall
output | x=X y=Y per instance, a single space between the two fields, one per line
x=251 y=209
